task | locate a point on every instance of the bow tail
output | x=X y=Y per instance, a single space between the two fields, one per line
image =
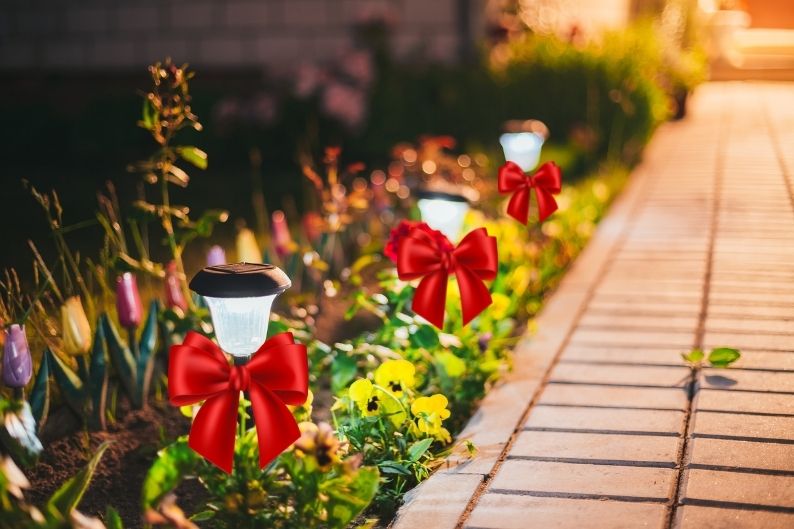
x=213 y=431
x=430 y=298
x=474 y=295
x=518 y=207
x=276 y=428
x=546 y=203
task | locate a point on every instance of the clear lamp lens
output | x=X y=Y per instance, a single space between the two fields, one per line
x=522 y=148
x=444 y=215
x=240 y=323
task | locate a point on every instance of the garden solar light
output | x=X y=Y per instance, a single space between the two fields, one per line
x=522 y=142
x=240 y=297
x=443 y=211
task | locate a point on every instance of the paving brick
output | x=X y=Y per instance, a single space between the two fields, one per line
x=608 y=447
x=744 y=425
x=87 y=19
x=628 y=337
x=605 y=419
x=739 y=487
x=664 y=398
x=697 y=517
x=437 y=503
x=686 y=322
x=743 y=454
x=606 y=480
x=627 y=375
x=750 y=341
x=750 y=311
x=195 y=14
x=714 y=324
x=138 y=18
x=745 y=380
x=307 y=13
x=622 y=355
x=502 y=511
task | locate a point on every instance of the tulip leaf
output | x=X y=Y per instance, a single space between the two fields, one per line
x=112 y=519
x=66 y=498
x=18 y=432
x=148 y=351
x=40 y=394
x=193 y=155
x=122 y=360
x=425 y=337
x=72 y=388
x=98 y=379
x=166 y=473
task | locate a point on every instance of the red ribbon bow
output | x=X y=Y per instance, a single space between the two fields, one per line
x=472 y=261
x=276 y=375
x=546 y=181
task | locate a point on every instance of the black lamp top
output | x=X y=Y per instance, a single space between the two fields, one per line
x=240 y=280
x=439 y=195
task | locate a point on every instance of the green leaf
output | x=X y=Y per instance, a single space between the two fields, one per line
x=694 y=357
x=349 y=496
x=426 y=337
x=148 y=114
x=66 y=498
x=203 y=516
x=343 y=369
x=18 y=431
x=166 y=473
x=147 y=353
x=416 y=450
x=723 y=356
x=193 y=155
x=98 y=378
x=40 y=394
x=72 y=388
x=393 y=467
x=112 y=519
x=206 y=223
x=122 y=360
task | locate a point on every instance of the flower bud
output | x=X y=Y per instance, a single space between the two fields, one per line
x=312 y=224
x=247 y=249
x=74 y=327
x=17 y=365
x=128 y=301
x=174 y=295
x=282 y=239
x=216 y=256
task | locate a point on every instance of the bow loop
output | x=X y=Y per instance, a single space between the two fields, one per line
x=471 y=262
x=277 y=375
x=547 y=181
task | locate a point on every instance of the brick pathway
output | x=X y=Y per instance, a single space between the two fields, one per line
x=600 y=425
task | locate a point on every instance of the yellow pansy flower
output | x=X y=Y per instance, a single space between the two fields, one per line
x=519 y=279
x=396 y=376
x=453 y=366
x=501 y=303
x=430 y=413
x=372 y=401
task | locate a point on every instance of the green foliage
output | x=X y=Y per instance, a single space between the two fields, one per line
x=59 y=512
x=719 y=357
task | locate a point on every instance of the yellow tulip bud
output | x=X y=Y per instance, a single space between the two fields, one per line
x=247 y=249
x=75 y=328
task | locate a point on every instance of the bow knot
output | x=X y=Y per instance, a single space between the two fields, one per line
x=547 y=181
x=472 y=261
x=276 y=375
x=239 y=378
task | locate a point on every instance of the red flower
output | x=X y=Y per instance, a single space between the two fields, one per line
x=405 y=227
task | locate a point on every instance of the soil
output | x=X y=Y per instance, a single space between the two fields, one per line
x=139 y=434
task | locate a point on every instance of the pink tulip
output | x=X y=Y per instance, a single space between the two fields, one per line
x=174 y=295
x=128 y=301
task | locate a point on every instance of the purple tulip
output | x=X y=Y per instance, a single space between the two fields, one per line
x=216 y=256
x=17 y=365
x=128 y=301
x=174 y=296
